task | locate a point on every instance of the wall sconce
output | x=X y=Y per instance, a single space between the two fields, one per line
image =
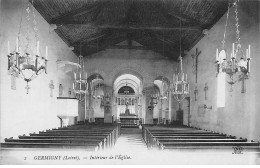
x=195 y=92
x=206 y=107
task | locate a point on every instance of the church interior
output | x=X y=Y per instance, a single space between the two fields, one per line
x=130 y=76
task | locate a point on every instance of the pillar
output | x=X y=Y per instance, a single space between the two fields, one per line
x=170 y=107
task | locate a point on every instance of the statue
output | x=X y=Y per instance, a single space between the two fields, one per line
x=127 y=112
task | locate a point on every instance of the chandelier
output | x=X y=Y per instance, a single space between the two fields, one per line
x=239 y=60
x=27 y=64
x=80 y=84
x=154 y=98
x=180 y=87
x=95 y=90
x=163 y=92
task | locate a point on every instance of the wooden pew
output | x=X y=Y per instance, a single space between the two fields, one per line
x=49 y=145
x=189 y=138
x=82 y=138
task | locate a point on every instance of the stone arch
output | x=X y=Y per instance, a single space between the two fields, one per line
x=97 y=71
x=131 y=68
x=164 y=78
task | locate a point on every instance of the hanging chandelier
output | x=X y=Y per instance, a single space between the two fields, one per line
x=180 y=88
x=163 y=93
x=27 y=64
x=80 y=84
x=239 y=60
x=95 y=90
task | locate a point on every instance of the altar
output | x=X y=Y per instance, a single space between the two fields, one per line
x=128 y=119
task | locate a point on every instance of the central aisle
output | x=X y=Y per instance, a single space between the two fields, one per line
x=130 y=140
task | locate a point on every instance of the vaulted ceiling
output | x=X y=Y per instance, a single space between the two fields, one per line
x=158 y=25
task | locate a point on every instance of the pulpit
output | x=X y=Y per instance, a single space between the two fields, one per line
x=67 y=110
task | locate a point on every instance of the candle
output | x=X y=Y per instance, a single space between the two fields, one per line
x=233 y=49
x=248 y=66
x=73 y=86
x=75 y=76
x=181 y=64
x=246 y=53
x=182 y=76
x=37 y=49
x=217 y=55
x=8 y=48
x=46 y=56
x=17 y=44
x=80 y=76
x=249 y=52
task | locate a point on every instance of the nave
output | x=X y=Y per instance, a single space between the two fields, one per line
x=170 y=82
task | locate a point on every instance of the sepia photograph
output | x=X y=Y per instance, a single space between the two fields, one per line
x=129 y=82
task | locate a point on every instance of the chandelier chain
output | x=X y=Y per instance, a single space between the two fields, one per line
x=28 y=27
x=35 y=24
x=237 y=23
x=223 y=41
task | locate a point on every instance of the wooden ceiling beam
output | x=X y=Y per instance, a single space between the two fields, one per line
x=86 y=9
x=137 y=27
x=89 y=39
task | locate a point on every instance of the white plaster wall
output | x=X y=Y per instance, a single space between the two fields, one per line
x=240 y=117
x=23 y=113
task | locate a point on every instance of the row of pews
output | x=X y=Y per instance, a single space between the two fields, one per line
x=169 y=138
x=86 y=137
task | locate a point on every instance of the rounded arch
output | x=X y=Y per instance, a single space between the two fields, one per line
x=128 y=71
x=163 y=78
x=94 y=72
x=133 y=69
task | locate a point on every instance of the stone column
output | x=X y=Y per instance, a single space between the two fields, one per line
x=144 y=108
x=170 y=107
x=86 y=107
